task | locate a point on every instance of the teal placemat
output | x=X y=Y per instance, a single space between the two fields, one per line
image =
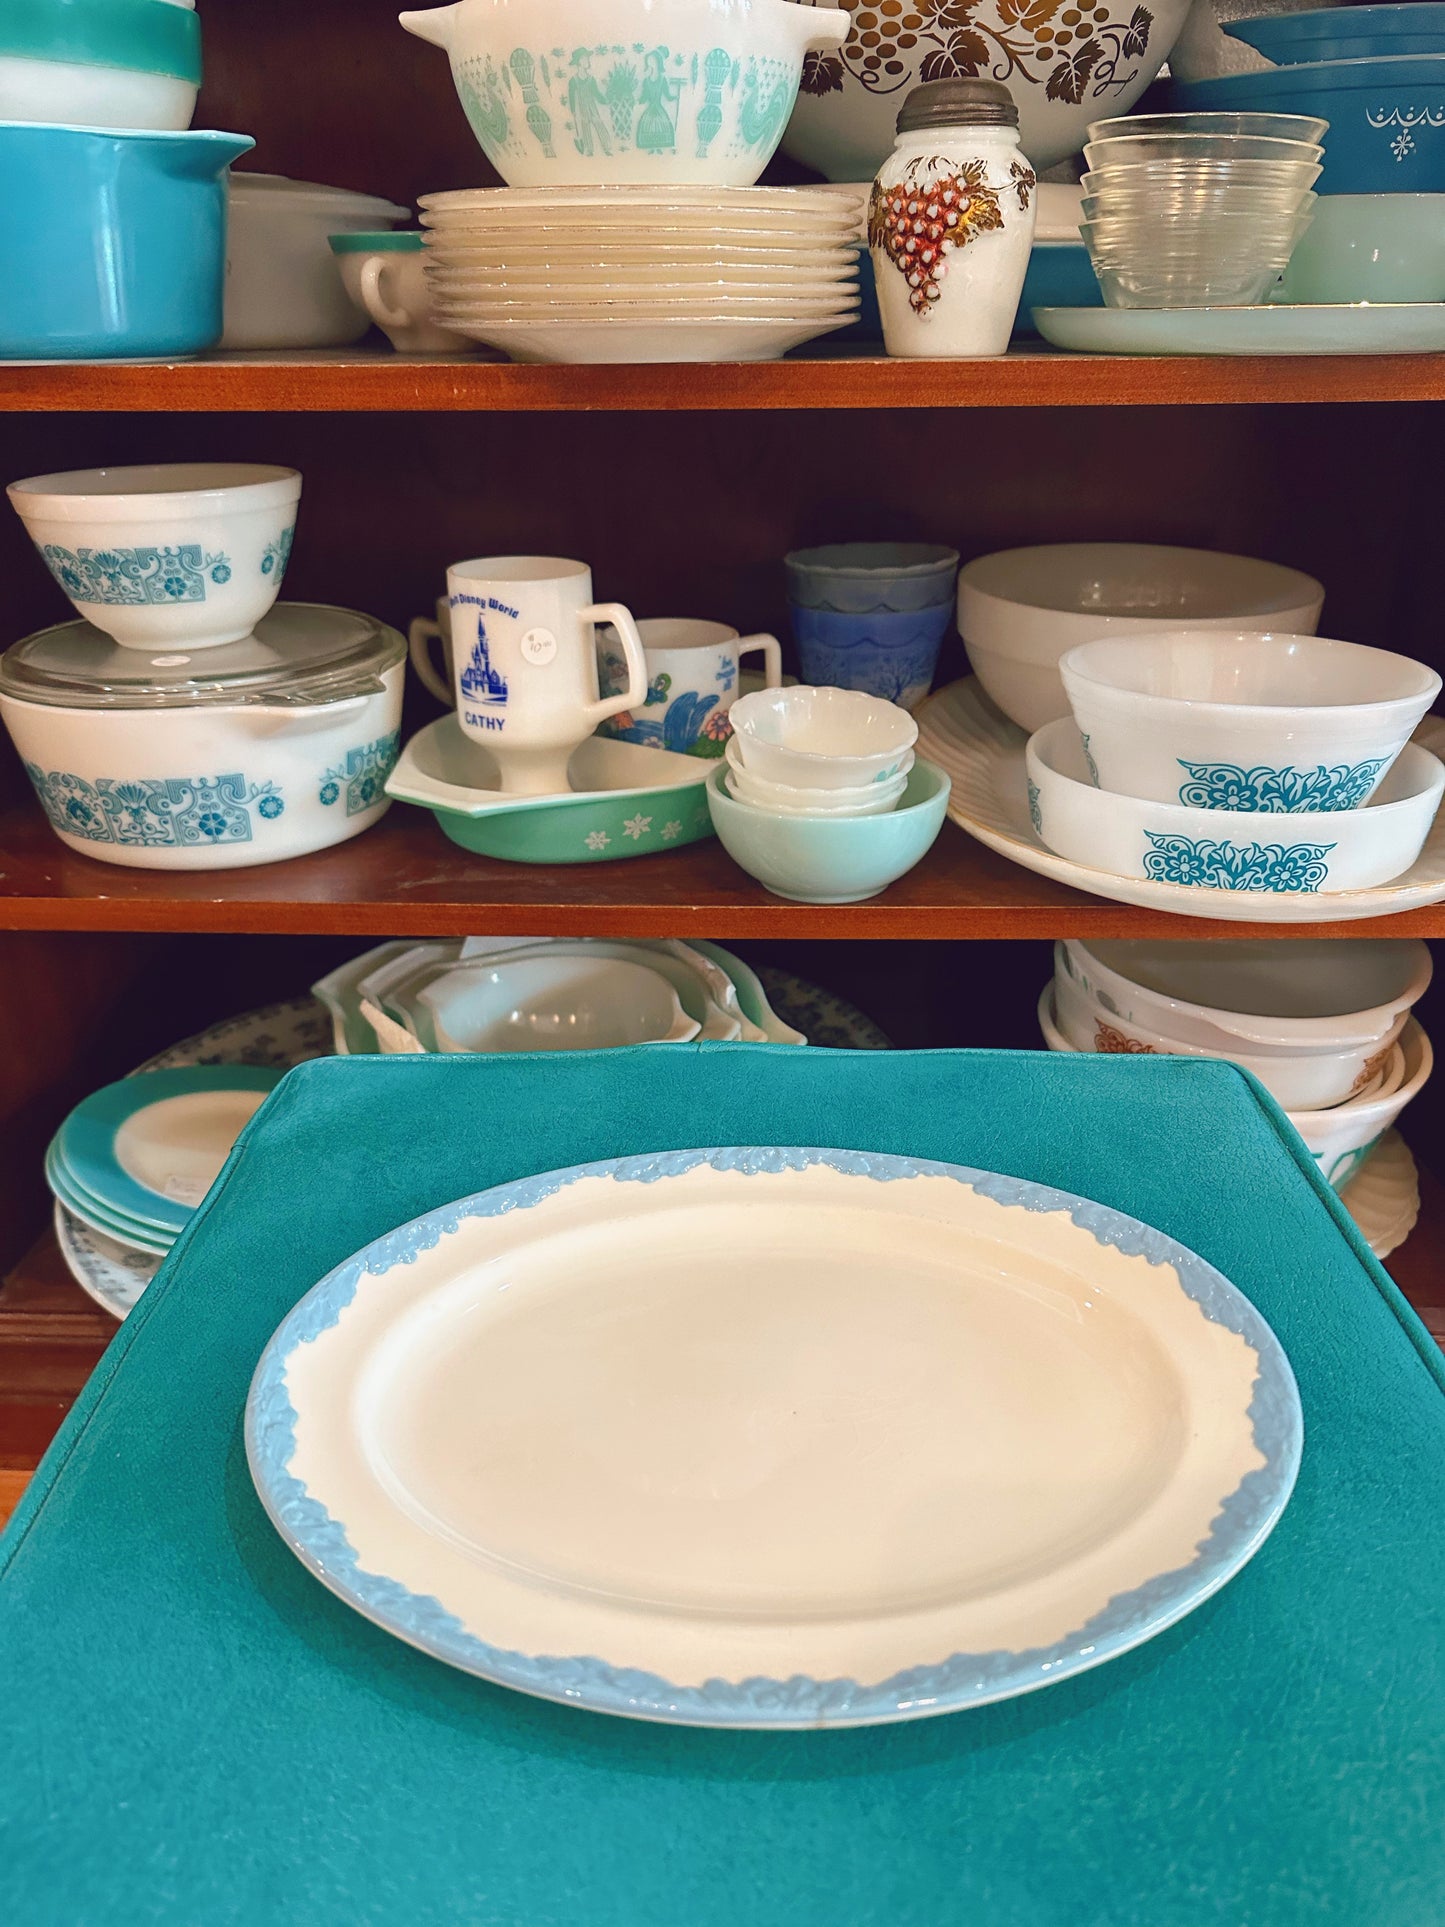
x=193 y=1731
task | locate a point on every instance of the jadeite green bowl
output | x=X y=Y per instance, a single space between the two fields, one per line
x=831 y=860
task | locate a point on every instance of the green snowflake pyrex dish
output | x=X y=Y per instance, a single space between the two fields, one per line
x=628 y=800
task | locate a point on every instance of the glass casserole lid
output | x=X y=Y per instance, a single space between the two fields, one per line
x=300 y=655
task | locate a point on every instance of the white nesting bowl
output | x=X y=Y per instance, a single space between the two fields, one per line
x=807 y=737
x=1339 y=1139
x=867 y=799
x=545 y=1003
x=1311 y=994
x=1019 y=610
x=1299 y=1083
x=1236 y=722
x=188 y=555
x=1257 y=851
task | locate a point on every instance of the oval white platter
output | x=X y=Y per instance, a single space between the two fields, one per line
x=774 y=1437
x=983 y=752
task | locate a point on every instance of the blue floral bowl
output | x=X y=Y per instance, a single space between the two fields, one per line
x=888 y=655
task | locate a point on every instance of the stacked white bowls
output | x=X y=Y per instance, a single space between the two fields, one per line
x=1325 y=1026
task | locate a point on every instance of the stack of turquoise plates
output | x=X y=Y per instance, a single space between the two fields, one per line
x=135 y=1159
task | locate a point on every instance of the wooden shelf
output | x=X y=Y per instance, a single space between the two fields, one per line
x=403 y=878
x=371 y=381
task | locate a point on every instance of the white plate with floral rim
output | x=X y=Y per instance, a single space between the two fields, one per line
x=899 y=1438
x=114 y=1275
x=961 y=731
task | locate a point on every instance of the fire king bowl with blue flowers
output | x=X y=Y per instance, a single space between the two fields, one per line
x=1313 y=994
x=186 y=555
x=114 y=241
x=820 y=738
x=1299 y=1082
x=546 y=1003
x=1249 y=850
x=238 y=755
x=694 y=675
x=570 y=92
x=623 y=799
x=889 y=655
x=810 y=859
x=1221 y=721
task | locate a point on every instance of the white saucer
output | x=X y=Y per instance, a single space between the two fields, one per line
x=961 y=731
x=1406 y=328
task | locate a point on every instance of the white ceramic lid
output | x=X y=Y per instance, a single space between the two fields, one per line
x=302 y=653
x=304 y=196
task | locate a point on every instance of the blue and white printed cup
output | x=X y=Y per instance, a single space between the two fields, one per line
x=693 y=674
x=889 y=655
x=871 y=578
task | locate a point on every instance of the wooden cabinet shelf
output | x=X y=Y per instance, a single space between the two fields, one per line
x=404 y=879
x=369 y=381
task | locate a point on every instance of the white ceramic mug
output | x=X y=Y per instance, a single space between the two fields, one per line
x=524 y=662
x=385 y=274
x=693 y=669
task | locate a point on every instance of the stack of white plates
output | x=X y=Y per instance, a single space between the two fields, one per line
x=642 y=273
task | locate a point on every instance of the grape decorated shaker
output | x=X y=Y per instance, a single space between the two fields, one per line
x=951 y=221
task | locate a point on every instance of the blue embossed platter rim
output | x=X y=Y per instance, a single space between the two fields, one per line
x=1240 y=1527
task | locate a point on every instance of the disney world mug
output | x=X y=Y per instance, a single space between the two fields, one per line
x=524 y=663
x=692 y=678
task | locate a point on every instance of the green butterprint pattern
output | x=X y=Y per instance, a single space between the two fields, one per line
x=605 y=100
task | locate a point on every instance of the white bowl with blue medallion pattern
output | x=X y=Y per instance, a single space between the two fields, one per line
x=260 y=750
x=570 y=92
x=1256 y=851
x=1243 y=722
x=174 y=555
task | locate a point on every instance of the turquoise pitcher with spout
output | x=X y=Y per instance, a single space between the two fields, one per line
x=114 y=241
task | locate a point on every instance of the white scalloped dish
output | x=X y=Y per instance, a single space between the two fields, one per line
x=773 y=1437
x=960 y=730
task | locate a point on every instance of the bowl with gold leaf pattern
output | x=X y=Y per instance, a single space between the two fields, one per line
x=1067 y=63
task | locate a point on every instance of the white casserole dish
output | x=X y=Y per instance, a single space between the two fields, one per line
x=248 y=754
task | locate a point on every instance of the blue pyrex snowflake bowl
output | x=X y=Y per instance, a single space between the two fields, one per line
x=1232 y=721
x=165 y=555
x=114 y=242
x=1386 y=117
x=1259 y=851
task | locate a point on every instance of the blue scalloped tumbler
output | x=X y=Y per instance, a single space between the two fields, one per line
x=114 y=241
x=888 y=653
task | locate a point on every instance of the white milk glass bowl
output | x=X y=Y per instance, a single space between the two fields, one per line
x=1020 y=610
x=1220 y=721
x=1313 y=994
x=547 y=1003
x=807 y=737
x=188 y=555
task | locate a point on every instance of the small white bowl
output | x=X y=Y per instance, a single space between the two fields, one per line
x=169 y=555
x=1339 y=1139
x=1237 y=722
x=868 y=799
x=1019 y=610
x=1224 y=849
x=1311 y=994
x=821 y=738
x=1298 y=1083
x=543 y=1003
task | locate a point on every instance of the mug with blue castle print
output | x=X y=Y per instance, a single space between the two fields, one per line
x=524 y=663
x=694 y=672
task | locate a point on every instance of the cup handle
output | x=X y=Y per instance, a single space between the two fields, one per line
x=422 y=634
x=635 y=694
x=374 y=300
x=772 y=658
